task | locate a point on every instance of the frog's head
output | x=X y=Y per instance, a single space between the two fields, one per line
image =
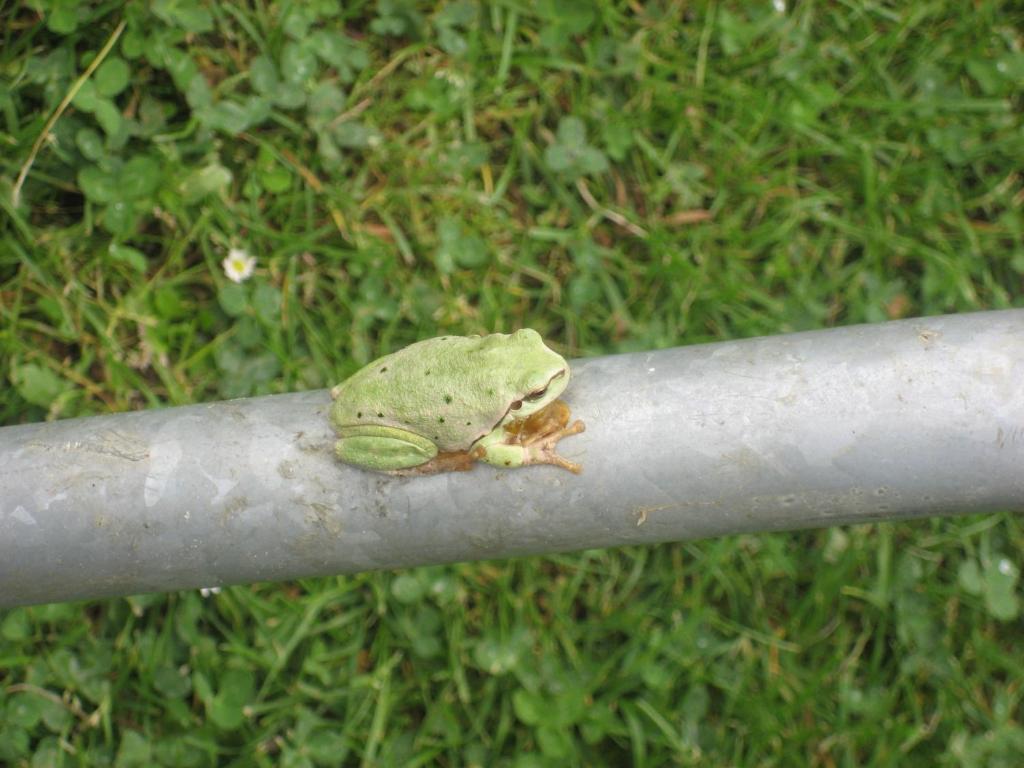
x=540 y=374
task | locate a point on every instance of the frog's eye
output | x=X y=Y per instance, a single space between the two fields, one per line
x=535 y=396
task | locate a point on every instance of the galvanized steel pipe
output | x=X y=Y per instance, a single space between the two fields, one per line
x=906 y=419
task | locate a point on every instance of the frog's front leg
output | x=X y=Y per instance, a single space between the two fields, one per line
x=531 y=441
x=383 y=449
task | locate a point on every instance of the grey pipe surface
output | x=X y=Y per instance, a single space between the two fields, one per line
x=905 y=419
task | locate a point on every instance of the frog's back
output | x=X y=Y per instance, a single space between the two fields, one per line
x=431 y=388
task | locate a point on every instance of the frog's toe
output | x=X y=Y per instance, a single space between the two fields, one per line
x=543 y=450
x=574 y=429
x=564 y=463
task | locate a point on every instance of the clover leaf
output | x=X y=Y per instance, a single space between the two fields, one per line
x=340 y=51
x=570 y=154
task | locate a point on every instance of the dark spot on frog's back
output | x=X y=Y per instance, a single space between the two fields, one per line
x=447 y=398
x=384 y=369
x=440 y=419
x=359 y=415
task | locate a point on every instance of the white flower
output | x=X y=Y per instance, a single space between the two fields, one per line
x=207 y=591
x=454 y=79
x=239 y=265
x=779 y=6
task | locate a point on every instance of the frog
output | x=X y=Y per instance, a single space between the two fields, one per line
x=446 y=403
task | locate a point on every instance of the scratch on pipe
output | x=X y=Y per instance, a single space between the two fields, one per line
x=641 y=513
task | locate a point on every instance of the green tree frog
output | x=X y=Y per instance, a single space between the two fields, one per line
x=441 y=404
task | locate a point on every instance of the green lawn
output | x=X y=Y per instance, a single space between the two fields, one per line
x=617 y=175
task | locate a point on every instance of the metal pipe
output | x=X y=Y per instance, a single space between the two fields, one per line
x=906 y=419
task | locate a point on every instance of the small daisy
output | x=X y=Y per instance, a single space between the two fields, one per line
x=239 y=265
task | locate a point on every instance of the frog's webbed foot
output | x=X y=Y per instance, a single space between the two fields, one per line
x=541 y=448
x=540 y=433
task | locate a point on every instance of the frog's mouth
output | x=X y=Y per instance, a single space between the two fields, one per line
x=538 y=398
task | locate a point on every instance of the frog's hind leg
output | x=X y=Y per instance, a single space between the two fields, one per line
x=453 y=461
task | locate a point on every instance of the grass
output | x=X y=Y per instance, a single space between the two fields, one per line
x=617 y=176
